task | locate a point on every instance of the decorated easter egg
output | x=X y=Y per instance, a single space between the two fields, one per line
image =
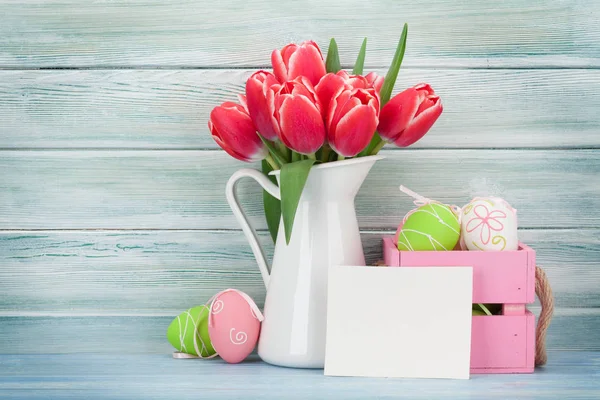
x=489 y=224
x=432 y=227
x=397 y=235
x=234 y=325
x=188 y=332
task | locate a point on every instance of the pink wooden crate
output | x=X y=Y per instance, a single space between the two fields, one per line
x=499 y=343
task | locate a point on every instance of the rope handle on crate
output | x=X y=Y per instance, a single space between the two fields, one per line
x=544 y=293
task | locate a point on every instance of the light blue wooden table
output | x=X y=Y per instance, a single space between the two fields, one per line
x=570 y=375
x=112 y=210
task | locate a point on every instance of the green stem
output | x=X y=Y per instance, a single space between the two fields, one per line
x=281 y=159
x=312 y=156
x=272 y=162
x=485 y=309
x=341 y=157
x=378 y=147
x=283 y=150
x=332 y=156
x=296 y=156
x=325 y=153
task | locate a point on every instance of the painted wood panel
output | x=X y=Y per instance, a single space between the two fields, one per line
x=570 y=375
x=108 y=272
x=576 y=329
x=185 y=189
x=169 y=109
x=40 y=33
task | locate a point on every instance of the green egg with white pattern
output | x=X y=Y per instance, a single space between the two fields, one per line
x=188 y=332
x=432 y=227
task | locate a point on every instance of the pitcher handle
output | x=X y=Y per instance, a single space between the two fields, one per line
x=248 y=230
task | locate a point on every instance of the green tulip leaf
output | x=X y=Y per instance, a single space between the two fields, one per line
x=332 y=64
x=279 y=158
x=375 y=141
x=292 y=180
x=392 y=75
x=360 y=60
x=388 y=87
x=272 y=205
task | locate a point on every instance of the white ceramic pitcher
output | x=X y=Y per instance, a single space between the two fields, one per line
x=325 y=233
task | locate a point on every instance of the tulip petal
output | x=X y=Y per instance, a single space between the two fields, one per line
x=301 y=125
x=343 y=74
x=375 y=80
x=397 y=114
x=425 y=104
x=420 y=125
x=229 y=151
x=288 y=51
x=243 y=101
x=279 y=67
x=358 y=82
x=352 y=103
x=258 y=108
x=329 y=86
x=335 y=108
x=307 y=61
x=271 y=94
x=354 y=131
x=234 y=131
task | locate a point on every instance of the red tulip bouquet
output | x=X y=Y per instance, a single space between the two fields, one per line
x=310 y=111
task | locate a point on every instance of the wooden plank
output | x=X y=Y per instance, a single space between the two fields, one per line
x=111 y=272
x=40 y=33
x=571 y=375
x=571 y=329
x=169 y=109
x=185 y=189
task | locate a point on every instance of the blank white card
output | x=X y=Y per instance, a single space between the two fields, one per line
x=399 y=322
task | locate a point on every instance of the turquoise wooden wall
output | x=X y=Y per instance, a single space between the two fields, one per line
x=112 y=209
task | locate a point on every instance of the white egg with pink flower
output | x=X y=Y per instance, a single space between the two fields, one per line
x=489 y=224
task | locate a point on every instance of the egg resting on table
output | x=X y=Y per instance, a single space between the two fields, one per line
x=233 y=325
x=188 y=333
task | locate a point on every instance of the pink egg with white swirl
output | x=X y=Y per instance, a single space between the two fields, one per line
x=234 y=325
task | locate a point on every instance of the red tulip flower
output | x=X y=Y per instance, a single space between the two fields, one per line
x=296 y=116
x=329 y=86
x=408 y=116
x=293 y=61
x=375 y=80
x=233 y=130
x=352 y=120
x=332 y=84
x=363 y=82
x=257 y=87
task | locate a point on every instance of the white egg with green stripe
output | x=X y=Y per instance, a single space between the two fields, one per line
x=432 y=227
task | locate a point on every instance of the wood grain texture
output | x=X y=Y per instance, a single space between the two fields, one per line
x=105 y=273
x=571 y=329
x=185 y=189
x=162 y=271
x=39 y=33
x=169 y=109
x=569 y=375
